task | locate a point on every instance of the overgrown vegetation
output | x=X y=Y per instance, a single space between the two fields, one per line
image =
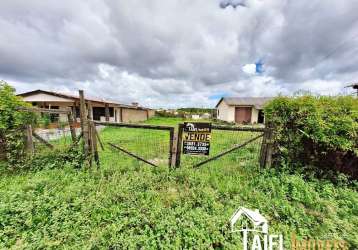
x=12 y=137
x=316 y=133
x=12 y=124
x=196 y=110
x=130 y=205
x=184 y=112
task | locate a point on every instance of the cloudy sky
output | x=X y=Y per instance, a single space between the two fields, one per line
x=177 y=53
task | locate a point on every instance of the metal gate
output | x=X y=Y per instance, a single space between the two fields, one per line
x=157 y=145
x=229 y=145
x=150 y=144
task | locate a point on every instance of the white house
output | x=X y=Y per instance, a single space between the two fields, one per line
x=101 y=109
x=247 y=110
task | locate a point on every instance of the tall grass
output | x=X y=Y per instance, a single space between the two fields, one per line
x=129 y=205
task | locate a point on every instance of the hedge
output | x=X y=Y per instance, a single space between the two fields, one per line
x=316 y=133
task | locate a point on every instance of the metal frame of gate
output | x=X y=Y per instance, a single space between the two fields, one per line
x=175 y=143
x=142 y=126
x=225 y=152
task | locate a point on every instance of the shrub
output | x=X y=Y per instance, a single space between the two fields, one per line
x=12 y=123
x=315 y=132
x=56 y=158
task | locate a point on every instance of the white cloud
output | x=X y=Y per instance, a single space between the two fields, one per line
x=249 y=69
x=323 y=87
x=178 y=53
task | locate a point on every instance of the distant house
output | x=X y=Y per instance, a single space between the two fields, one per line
x=205 y=116
x=242 y=109
x=195 y=116
x=117 y=112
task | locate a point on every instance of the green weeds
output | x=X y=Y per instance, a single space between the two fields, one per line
x=129 y=205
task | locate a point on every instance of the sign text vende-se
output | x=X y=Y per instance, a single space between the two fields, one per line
x=196 y=138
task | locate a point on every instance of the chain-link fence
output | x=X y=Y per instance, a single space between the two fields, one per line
x=136 y=144
x=147 y=144
x=239 y=147
x=52 y=129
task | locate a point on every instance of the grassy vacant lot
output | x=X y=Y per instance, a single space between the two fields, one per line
x=128 y=204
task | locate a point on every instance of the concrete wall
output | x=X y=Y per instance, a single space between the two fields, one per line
x=129 y=115
x=254 y=115
x=151 y=113
x=226 y=112
x=133 y=115
x=111 y=119
x=42 y=97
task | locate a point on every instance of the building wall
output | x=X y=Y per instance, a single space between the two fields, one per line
x=117 y=115
x=226 y=112
x=129 y=115
x=111 y=119
x=151 y=113
x=254 y=115
x=133 y=115
x=61 y=106
x=41 y=97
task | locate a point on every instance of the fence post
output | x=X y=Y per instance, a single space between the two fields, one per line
x=269 y=147
x=72 y=128
x=89 y=110
x=263 y=149
x=171 y=145
x=29 y=140
x=74 y=112
x=84 y=123
x=94 y=143
x=178 y=146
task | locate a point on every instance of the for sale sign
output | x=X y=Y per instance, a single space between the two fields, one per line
x=196 y=138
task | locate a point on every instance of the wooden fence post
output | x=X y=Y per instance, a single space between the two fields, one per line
x=89 y=108
x=29 y=140
x=267 y=147
x=171 y=145
x=263 y=150
x=74 y=112
x=174 y=151
x=84 y=123
x=94 y=144
x=178 y=146
x=72 y=128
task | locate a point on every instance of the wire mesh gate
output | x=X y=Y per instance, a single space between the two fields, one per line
x=224 y=145
x=147 y=143
x=229 y=145
x=157 y=145
x=47 y=134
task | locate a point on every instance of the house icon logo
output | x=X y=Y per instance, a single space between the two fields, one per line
x=190 y=127
x=255 y=230
x=258 y=222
